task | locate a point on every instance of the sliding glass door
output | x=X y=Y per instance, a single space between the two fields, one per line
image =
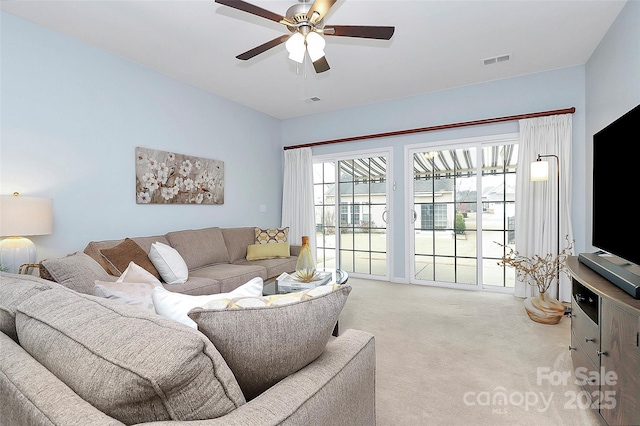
x=463 y=199
x=351 y=214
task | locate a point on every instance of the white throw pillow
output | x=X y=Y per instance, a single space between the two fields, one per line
x=170 y=265
x=175 y=306
x=137 y=274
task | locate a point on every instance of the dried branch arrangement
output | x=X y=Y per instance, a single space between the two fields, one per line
x=537 y=270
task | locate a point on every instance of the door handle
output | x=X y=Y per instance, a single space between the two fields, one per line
x=384 y=216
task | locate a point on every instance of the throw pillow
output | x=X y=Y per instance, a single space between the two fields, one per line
x=130 y=364
x=126 y=252
x=277 y=235
x=169 y=263
x=295 y=334
x=136 y=294
x=175 y=306
x=137 y=274
x=76 y=271
x=268 y=251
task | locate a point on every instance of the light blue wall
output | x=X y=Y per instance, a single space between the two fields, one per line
x=612 y=87
x=552 y=90
x=72 y=116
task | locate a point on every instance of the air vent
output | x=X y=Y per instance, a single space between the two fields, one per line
x=497 y=59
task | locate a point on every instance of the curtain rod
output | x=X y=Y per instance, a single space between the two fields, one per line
x=440 y=127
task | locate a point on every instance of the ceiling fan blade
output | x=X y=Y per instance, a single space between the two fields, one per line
x=262 y=48
x=254 y=10
x=321 y=65
x=319 y=8
x=379 y=33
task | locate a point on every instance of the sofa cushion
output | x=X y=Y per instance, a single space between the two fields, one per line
x=126 y=252
x=175 y=306
x=200 y=247
x=231 y=276
x=136 y=294
x=76 y=271
x=237 y=240
x=264 y=341
x=171 y=266
x=267 y=251
x=275 y=235
x=131 y=364
x=15 y=289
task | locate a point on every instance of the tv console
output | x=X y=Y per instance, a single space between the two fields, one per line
x=620 y=272
x=605 y=345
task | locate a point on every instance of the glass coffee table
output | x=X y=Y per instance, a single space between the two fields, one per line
x=338 y=276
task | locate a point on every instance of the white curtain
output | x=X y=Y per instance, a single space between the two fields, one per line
x=297 y=196
x=536 y=202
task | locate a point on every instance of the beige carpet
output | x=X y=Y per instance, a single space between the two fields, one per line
x=446 y=357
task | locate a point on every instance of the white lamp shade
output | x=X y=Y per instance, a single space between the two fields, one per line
x=295 y=47
x=21 y=216
x=315 y=46
x=539 y=171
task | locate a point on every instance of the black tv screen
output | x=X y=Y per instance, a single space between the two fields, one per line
x=616 y=178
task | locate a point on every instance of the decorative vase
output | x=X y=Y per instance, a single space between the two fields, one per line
x=544 y=309
x=305 y=266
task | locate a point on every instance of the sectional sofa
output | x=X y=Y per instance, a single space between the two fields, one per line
x=68 y=358
x=216 y=259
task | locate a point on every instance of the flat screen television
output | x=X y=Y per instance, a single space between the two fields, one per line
x=616 y=175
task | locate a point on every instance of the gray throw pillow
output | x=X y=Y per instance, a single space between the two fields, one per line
x=130 y=364
x=265 y=339
x=77 y=271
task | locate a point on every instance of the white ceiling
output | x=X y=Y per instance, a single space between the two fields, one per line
x=437 y=45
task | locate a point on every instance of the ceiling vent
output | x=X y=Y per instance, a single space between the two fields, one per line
x=497 y=59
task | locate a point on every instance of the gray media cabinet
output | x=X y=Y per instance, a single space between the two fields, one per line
x=605 y=345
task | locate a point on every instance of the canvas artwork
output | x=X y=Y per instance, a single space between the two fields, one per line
x=168 y=178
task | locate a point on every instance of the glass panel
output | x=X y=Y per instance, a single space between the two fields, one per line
x=346 y=170
x=466 y=271
x=424 y=267
x=362 y=240
x=379 y=263
x=329 y=172
x=444 y=243
x=362 y=262
x=346 y=260
x=444 y=269
x=424 y=242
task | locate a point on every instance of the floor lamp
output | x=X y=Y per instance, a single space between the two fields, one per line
x=540 y=172
x=20 y=216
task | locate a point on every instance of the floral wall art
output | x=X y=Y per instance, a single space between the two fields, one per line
x=168 y=178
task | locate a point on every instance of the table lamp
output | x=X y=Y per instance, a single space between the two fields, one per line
x=20 y=216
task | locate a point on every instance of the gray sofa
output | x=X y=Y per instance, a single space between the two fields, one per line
x=216 y=258
x=68 y=358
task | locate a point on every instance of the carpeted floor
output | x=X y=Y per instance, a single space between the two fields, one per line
x=455 y=357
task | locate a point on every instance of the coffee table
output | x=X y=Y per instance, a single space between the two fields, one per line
x=338 y=276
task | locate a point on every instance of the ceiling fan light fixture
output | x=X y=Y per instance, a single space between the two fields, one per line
x=295 y=47
x=315 y=46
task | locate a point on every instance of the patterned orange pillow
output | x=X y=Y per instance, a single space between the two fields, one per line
x=277 y=235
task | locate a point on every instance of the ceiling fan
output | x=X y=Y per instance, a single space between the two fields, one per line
x=306 y=23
